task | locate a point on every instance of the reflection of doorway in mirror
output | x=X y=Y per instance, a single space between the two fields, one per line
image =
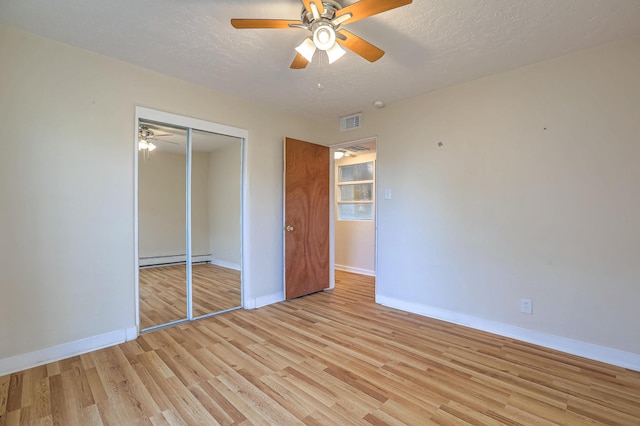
x=189 y=225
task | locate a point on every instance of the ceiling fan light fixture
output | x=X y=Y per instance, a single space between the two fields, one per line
x=142 y=144
x=335 y=52
x=324 y=37
x=307 y=48
x=151 y=146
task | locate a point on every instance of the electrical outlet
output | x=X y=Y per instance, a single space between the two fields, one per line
x=526 y=306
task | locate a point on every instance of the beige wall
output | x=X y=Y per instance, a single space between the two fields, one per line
x=67 y=188
x=224 y=205
x=161 y=204
x=200 y=194
x=354 y=239
x=215 y=204
x=533 y=194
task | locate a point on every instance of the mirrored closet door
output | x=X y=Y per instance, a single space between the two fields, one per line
x=189 y=223
x=215 y=226
x=162 y=221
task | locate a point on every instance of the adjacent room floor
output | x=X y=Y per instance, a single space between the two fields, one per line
x=331 y=358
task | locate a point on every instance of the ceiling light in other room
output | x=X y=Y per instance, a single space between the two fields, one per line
x=338 y=155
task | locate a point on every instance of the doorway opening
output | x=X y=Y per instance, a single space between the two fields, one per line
x=354 y=207
x=189 y=218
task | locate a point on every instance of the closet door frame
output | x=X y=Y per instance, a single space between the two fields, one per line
x=189 y=123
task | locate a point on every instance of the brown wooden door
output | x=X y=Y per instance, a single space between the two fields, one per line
x=306 y=218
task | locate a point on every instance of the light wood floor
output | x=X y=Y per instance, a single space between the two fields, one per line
x=163 y=292
x=331 y=358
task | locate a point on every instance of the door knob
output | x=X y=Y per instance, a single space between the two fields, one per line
x=288 y=228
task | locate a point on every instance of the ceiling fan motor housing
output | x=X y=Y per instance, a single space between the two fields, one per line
x=144 y=132
x=330 y=9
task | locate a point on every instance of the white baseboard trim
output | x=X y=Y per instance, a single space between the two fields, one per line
x=225 y=264
x=56 y=353
x=269 y=299
x=355 y=270
x=611 y=356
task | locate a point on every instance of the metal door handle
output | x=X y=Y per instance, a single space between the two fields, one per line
x=288 y=228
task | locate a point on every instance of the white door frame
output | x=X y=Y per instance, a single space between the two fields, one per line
x=208 y=126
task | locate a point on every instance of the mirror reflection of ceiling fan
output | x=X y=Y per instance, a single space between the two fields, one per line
x=146 y=136
x=324 y=19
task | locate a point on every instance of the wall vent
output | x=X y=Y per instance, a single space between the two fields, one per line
x=357 y=148
x=350 y=122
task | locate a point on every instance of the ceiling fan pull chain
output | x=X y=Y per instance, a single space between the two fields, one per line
x=321 y=78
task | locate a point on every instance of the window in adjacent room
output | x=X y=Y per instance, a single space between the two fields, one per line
x=355 y=193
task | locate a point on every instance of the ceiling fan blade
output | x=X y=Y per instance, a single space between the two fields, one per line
x=365 y=8
x=357 y=45
x=299 y=62
x=307 y=5
x=159 y=133
x=165 y=141
x=263 y=23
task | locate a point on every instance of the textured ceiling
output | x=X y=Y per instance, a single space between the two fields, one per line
x=429 y=44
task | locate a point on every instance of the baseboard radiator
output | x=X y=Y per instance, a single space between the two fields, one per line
x=169 y=260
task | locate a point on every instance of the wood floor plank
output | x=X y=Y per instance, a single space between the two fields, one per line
x=91 y=415
x=96 y=385
x=12 y=418
x=242 y=403
x=14 y=396
x=298 y=403
x=331 y=358
x=266 y=407
x=41 y=403
x=4 y=397
x=184 y=403
x=331 y=417
x=217 y=411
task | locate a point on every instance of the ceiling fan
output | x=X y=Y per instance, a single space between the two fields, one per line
x=146 y=135
x=324 y=19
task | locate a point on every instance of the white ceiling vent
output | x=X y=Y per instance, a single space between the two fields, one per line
x=350 y=122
